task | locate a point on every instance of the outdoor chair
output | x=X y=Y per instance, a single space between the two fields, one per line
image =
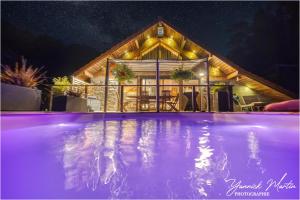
x=172 y=103
x=165 y=97
x=189 y=105
x=257 y=104
x=166 y=94
x=248 y=103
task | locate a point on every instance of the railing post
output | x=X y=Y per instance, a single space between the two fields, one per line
x=106 y=84
x=230 y=98
x=193 y=98
x=121 y=98
x=85 y=91
x=157 y=85
x=51 y=98
x=208 y=85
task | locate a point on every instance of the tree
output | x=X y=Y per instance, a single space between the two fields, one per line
x=268 y=43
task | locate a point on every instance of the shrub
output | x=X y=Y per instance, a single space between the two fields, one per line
x=61 y=85
x=22 y=75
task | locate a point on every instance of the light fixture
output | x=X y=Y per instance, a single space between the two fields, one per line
x=201 y=74
x=171 y=36
x=194 y=51
x=148 y=36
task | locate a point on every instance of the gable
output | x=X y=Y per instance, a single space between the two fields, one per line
x=175 y=45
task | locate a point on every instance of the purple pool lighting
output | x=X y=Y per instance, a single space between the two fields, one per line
x=195 y=155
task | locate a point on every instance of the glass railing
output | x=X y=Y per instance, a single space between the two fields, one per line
x=141 y=98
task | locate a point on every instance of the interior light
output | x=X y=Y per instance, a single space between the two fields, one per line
x=194 y=51
x=201 y=74
x=148 y=36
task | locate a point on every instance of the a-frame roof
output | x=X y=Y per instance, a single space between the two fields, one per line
x=185 y=48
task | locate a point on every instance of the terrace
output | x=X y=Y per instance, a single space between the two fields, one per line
x=153 y=89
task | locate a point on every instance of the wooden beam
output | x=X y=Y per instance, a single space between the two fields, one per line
x=232 y=75
x=182 y=43
x=149 y=49
x=171 y=49
x=137 y=44
x=88 y=74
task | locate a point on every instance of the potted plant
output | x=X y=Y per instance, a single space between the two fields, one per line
x=19 y=87
x=122 y=73
x=181 y=75
x=67 y=97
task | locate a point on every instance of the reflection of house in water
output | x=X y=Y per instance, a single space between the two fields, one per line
x=146 y=142
x=99 y=154
x=210 y=165
x=103 y=155
x=254 y=161
x=90 y=157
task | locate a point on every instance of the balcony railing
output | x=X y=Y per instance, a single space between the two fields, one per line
x=151 y=98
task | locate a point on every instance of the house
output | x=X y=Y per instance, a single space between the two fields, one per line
x=153 y=54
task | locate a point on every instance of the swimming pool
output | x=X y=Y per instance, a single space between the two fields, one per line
x=167 y=155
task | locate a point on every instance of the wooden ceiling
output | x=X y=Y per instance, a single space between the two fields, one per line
x=146 y=40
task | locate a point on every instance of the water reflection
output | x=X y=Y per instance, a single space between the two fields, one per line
x=100 y=152
x=146 y=142
x=128 y=142
x=188 y=142
x=103 y=155
x=90 y=157
x=210 y=164
x=254 y=160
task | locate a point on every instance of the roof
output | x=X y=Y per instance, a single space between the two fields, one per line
x=142 y=42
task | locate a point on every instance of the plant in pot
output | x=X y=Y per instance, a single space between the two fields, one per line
x=66 y=97
x=122 y=73
x=181 y=75
x=19 y=87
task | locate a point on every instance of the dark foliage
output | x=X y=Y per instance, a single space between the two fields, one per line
x=59 y=59
x=269 y=45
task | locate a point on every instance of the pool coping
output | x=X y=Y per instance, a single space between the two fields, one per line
x=7 y=113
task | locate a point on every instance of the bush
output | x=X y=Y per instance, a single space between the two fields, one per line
x=61 y=85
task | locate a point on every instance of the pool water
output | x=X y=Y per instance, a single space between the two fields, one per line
x=147 y=155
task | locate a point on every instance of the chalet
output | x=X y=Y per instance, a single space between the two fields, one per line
x=156 y=63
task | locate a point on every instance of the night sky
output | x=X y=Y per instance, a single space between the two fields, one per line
x=63 y=36
x=102 y=24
